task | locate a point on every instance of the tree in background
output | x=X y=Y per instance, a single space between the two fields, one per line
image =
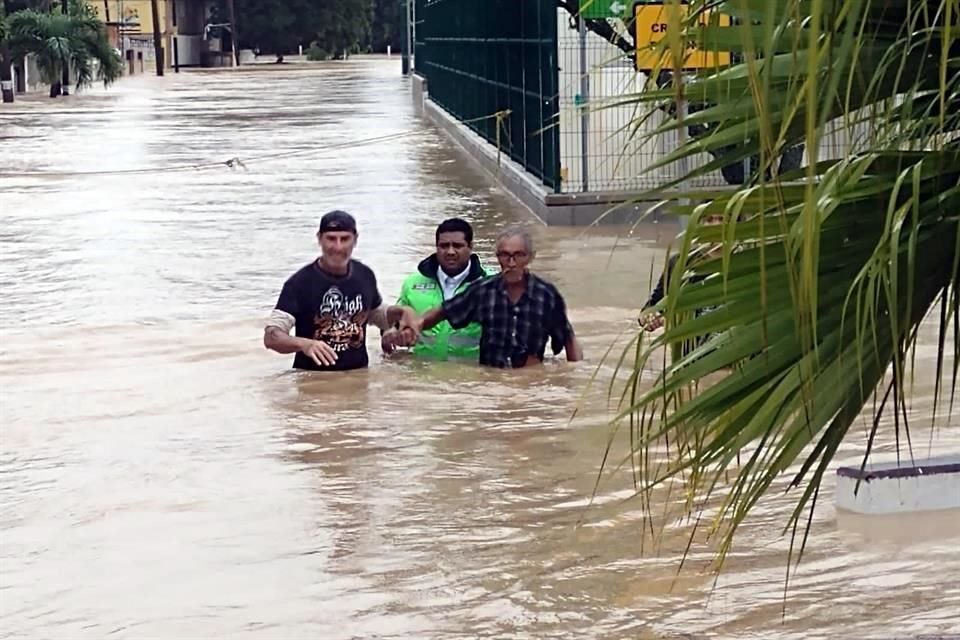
x=37 y=5
x=275 y=26
x=77 y=41
x=386 y=29
x=6 y=75
x=344 y=26
x=7 y=8
x=335 y=27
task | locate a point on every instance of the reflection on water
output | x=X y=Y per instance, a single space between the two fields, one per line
x=163 y=476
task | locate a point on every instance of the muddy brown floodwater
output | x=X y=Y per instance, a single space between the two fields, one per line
x=163 y=476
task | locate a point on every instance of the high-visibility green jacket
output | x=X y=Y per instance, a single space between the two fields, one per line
x=422 y=292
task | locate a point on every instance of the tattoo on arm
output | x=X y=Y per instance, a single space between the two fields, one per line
x=395 y=313
x=379 y=316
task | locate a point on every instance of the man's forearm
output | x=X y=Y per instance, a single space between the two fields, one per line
x=655 y=296
x=574 y=352
x=431 y=319
x=386 y=317
x=276 y=340
x=395 y=313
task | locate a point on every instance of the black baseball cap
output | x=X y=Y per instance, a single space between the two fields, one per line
x=337 y=220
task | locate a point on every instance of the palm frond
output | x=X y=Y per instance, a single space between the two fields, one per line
x=820 y=276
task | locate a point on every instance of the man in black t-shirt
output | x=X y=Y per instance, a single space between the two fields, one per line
x=329 y=303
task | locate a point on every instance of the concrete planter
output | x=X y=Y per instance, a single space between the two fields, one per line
x=926 y=485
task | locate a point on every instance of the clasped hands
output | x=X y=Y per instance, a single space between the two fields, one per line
x=650 y=321
x=406 y=335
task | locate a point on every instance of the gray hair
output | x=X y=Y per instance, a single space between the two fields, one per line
x=517 y=231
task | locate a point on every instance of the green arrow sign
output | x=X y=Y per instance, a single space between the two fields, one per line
x=604 y=8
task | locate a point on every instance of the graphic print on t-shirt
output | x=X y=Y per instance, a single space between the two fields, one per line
x=340 y=321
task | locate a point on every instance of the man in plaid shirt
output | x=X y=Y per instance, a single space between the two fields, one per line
x=518 y=311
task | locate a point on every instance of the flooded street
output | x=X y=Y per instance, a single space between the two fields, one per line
x=163 y=476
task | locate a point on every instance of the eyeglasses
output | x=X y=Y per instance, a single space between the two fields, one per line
x=504 y=256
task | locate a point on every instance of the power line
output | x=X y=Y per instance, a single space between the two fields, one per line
x=232 y=163
x=236 y=162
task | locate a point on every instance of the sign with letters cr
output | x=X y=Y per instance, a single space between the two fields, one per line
x=650 y=26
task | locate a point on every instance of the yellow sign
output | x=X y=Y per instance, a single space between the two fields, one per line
x=650 y=27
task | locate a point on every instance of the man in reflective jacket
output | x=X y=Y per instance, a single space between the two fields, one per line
x=439 y=277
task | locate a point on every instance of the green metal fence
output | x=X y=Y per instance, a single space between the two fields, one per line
x=419 y=31
x=481 y=57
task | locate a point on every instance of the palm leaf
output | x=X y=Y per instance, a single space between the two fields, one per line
x=819 y=278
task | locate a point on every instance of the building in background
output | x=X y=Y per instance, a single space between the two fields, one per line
x=191 y=35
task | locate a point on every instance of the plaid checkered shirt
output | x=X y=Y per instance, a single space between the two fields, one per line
x=512 y=331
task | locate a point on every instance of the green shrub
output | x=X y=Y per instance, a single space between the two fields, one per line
x=315 y=53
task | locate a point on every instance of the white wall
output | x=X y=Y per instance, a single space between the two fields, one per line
x=189 y=49
x=32 y=78
x=930 y=484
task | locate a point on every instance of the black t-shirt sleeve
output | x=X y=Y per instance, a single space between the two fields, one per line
x=560 y=328
x=658 y=291
x=461 y=309
x=289 y=300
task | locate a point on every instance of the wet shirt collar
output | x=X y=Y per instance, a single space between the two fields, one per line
x=449 y=284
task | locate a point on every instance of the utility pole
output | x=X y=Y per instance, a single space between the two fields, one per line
x=65 y=81
x=176 y=33
x=405 y=43
x=157 y=46
x=121 y=23
x=234 y=34
x=6 y=74
x=584 y=106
